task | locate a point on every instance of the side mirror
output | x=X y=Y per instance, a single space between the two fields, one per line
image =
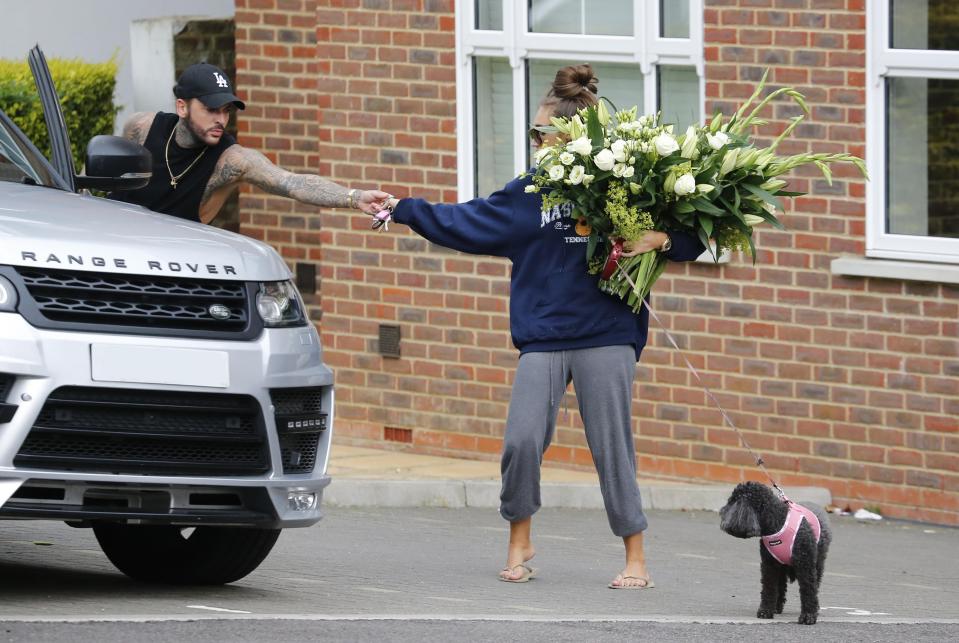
x=115 y=163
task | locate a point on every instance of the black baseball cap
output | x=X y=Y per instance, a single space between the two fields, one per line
x=208 y=83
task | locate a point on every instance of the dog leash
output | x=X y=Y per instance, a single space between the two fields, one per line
x=759 y=460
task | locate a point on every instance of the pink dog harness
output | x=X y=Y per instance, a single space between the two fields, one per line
x=780 y=544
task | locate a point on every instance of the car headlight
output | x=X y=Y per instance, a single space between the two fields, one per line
x=8 y=295
x=279 y=304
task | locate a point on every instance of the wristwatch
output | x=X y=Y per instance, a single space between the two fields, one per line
x=667 y=245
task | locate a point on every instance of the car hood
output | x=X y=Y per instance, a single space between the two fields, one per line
x=47 y=227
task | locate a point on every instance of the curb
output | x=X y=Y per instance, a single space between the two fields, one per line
x=458 y=494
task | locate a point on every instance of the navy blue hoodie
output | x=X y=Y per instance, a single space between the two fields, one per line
x=554 y=303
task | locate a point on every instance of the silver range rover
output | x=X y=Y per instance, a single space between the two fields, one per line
x=159 y=380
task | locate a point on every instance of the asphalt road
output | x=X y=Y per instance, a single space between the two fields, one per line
x=430 y=574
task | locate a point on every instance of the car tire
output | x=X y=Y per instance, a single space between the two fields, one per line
x=176 y=555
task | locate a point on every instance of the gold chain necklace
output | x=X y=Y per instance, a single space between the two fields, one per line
x=166 y=157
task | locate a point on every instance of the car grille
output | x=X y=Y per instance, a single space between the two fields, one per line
x=108 y=302
x=150 y=432
x=300 y=421
x=6 y=383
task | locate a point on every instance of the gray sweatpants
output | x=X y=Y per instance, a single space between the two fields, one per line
x=603 y=378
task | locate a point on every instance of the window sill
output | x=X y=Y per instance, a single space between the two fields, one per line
x=891 y=269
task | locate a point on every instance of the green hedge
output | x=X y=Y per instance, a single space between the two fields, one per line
x=86 y=96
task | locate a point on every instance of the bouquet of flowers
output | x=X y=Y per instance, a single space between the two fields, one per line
x=626 y=174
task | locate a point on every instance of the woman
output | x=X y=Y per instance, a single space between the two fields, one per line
x=566 y=330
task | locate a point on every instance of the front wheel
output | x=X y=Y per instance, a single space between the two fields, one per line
x=185 y=556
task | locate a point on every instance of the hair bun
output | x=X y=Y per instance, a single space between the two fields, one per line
x=572 y=81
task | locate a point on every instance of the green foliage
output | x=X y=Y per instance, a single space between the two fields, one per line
x=86 y=97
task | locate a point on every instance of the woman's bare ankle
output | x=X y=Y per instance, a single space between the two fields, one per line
x=519 y=553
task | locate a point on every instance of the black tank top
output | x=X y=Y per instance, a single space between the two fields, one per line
x=158 y=195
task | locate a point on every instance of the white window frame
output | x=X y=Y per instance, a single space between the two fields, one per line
x=517 y=45
x=883 y=62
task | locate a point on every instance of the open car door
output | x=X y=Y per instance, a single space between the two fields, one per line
x=112 y=162
x=61 y=154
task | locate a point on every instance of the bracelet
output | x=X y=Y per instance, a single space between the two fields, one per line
x=351 y=198
x=667 y=245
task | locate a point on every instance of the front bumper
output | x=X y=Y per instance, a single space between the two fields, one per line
x=37 y=362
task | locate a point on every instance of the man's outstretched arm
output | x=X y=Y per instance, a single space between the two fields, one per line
x=241 y=164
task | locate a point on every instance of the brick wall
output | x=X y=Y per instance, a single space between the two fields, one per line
x=842 y=382
x=278 y=76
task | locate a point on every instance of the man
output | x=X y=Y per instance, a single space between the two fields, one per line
x=196 y=164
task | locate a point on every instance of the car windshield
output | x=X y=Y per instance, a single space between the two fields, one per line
x=19 y=161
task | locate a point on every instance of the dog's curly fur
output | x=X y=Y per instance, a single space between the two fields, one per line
x=754 y=510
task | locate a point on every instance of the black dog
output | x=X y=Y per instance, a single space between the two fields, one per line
x=755 y=510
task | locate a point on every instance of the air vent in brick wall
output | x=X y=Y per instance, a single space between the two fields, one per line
x=396 y=434
x=389 y=341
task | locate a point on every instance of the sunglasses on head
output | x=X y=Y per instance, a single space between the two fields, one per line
x=535 y=135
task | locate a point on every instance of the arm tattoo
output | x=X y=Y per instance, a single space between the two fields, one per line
x=228 y=171
x=137 y=128
x=307 y=188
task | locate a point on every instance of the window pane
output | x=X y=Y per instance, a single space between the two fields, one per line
x=674 y=18
x=607 y=18
x=679 y=96
x=922 y=184
x=924 y=24
x=493 y=109
x=622 y=84
x=489 y=15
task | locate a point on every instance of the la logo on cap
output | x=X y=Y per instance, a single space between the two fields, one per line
x=220 y=80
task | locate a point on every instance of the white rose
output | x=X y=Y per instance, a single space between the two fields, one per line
x=618 y=169
x=531 y=188
x=587 y=179
x=717 y=140
x=581 y=145
x=619 y=149
x=665 y=144
x=629 y=171
x=556 y=172
x=566 y=158
x=576 y=175
x=605 y=160
x=686 y=184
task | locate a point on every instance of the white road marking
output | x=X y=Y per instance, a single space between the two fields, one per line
x=699 y=556
x=649 y=618
x=450 y=599
x=556 y=537
x=843 y=575
x=855 y=611
x=300 y=579
x=218 y=609
x=914 y=586
x=367 y=588
x=527 y=608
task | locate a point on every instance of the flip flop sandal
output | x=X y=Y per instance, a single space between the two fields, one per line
x=649 y=584
x=528 y=573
